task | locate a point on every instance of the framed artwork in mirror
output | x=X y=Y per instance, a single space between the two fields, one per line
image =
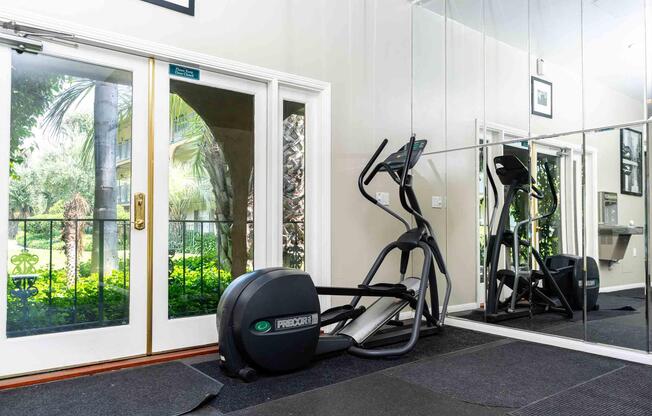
x=631 y=162
x=181 y=6
x=541 y=97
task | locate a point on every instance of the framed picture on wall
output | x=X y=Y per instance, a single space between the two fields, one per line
x=181 y=6
x=541 y=91
x=631 y=162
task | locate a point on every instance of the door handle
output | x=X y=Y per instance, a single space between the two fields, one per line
x=139 y=211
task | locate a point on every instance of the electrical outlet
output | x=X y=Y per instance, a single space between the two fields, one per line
x=438 y=202
x=382 y=198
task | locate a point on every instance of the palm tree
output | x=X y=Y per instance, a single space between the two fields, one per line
x=208 y=161
x=73 y=234
x=111 y=107
x=21 y=204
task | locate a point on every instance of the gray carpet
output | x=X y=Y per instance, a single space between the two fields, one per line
x=238 y=395
x=509 y=375
x=623 y=392
x=624 y=331
x=156 y=390
x=372 y=395
x=615 y=305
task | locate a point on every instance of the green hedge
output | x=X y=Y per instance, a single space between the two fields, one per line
x=48 y=310
x=202 y=290
x=59 y=306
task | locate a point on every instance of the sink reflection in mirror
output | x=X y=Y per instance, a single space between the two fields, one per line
x=615 y=227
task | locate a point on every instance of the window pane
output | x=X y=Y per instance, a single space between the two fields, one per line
x=69 y=220
x=294 y=182
x=211 y=195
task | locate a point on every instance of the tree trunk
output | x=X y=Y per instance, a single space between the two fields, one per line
x=105 y=206
x=218 y=176
x=72 y=235
x=13 y=225
x=239 y=158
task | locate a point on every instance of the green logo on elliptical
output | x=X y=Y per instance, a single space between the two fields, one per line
x=262 y=326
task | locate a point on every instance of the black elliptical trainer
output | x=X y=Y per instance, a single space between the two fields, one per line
x=270 y=319
x=557 y=280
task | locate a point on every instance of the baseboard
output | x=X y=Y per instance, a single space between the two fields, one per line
x=621 y=287
x=86 y=370
x=463 y=307
x=451 y=308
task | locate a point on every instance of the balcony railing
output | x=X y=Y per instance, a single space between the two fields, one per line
x=123 y=151
x=56 y=293
x=199 y=268
x=50 y=291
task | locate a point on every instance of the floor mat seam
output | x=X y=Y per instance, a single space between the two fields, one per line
x=382 y=372
x=573 y=387
x=463 y=351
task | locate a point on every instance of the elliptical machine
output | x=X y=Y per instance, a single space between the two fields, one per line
x=270 y=319
x=556 y=286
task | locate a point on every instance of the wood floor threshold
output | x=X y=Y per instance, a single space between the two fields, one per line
x=23 y=381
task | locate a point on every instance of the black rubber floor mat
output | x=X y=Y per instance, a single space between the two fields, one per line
x=509 y=375
x=623 y=392
x=238 y=395
x=612 y=305
x=373 y=395
x=623 y=331
x=157 y=390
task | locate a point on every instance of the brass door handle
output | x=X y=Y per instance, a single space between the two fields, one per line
x=139 y=211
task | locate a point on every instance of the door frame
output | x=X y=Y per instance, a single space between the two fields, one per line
x=72 y=348
x=569 y=167
x=273 y=79
x=170 y=334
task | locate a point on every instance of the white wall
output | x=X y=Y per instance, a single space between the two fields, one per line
x=362 y=47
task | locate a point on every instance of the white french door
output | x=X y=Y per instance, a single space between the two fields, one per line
x=237 y=172
x=73 y=151
x=210 y=197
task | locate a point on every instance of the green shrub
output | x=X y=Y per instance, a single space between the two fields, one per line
x=195 y=292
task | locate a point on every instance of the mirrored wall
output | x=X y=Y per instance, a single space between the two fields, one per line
x=537 y=165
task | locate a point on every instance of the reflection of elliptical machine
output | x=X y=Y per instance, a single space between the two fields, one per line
x=557 y=284
x=270 y=319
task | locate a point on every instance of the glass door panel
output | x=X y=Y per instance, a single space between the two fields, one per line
x=68 y=247
x=211 y=195
x=210 y=165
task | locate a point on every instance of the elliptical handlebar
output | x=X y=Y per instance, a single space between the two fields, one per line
x=361 y=178
x=406 y=165
x=362 y=182
x=535 y=192
x=553 y=190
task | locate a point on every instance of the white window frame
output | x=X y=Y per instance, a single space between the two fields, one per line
x=569 y=222
x=317 y=204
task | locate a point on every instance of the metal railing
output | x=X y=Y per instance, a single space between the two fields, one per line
x=198 y=271
x=40 y=315
x=196 y=248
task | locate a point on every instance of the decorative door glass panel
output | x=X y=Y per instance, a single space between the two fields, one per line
x=294 y=184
